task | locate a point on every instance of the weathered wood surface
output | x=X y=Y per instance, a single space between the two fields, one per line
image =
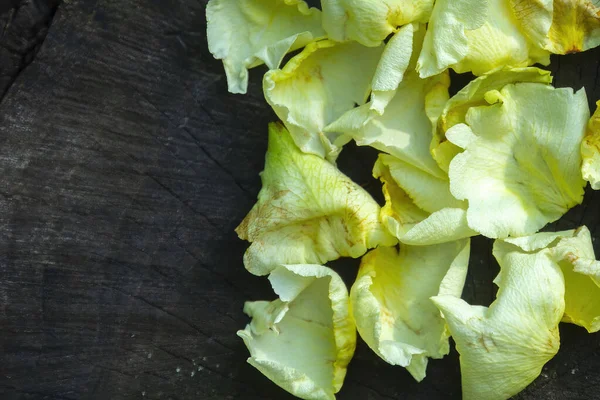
x=125 y=165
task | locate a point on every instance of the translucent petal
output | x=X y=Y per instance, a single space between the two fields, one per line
x=317 y=86
x=560 y=26
x=307 y=211
x=391 y=306
x=504 y=347
x=369 y=22
x=590 y=151
x=403 y=128
x=477 y=36
x=534 y=18
x=303 y=341
x=574 y=252
x=522 y=170
x=473 y=94
x=247 y=33
x=419 y=208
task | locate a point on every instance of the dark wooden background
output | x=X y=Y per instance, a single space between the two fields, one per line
x=124 y=167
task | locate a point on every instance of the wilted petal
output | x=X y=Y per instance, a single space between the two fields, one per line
x=590 y=151
x=574 y=252
x=247 y=33
x=317 y=86
x=504 y=347
x=369 y=22
x=402 y=124
x=307 y=211
x=419 y=208
x=391 y=305
x=455 y=110
x=303 y=341
x=521 y=167
x=477 y=36
x=560 y=26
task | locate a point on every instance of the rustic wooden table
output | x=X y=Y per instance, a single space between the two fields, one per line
x=125 y=166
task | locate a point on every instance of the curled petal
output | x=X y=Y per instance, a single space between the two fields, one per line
x=369 y=22
x=391 y=306
x=455 y=110
x=399 y=120
x=521 y=164
x=559 y=26
x=590 y=151
x=304 y=340
x=317 y=86
x=247 y=33
x=307 y=211
x=419 y=208
x=477 y=36
x=574 y=252
x=504 y=347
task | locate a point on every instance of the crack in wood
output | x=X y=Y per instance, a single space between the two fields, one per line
x=372 y=389
x=28 y=21
x=173 y=315
x=199 y=144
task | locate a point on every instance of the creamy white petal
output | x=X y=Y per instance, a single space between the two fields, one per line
x=317 y=86
x=504 y=347
x=307 y=211
x=574 y=252
x=523 y=169
x=477 y=36
x=390 y=301
x=304 y=340
x=369 y=22
x=247 y=33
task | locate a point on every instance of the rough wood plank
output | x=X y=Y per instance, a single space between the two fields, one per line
x=24 y=25
x=125 y=166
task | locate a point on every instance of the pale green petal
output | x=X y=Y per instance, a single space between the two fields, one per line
x=404 y=128
x=391 y=306
x=419 y=208
x=574 y=252
x=590 y=151
x=455 y=110
x=430 y=193
x=437 y=98
x=504 y=347
x=370 y=22
x=477 y=36
x=582 y=279
x=303 y=341
x=523 y=169
x=307 y=211
x=393 y=64
x=534 y=18
x=441 y=226
x=473 y=94
x=388 y=76
x=399 y=213
x=461 y=135
x=319 y=85
x=537 y=241
x=560 y=26
x=247 y=33
x=445 y=42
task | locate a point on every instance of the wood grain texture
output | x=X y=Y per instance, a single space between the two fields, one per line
x=24 y=25
x=125 y=166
